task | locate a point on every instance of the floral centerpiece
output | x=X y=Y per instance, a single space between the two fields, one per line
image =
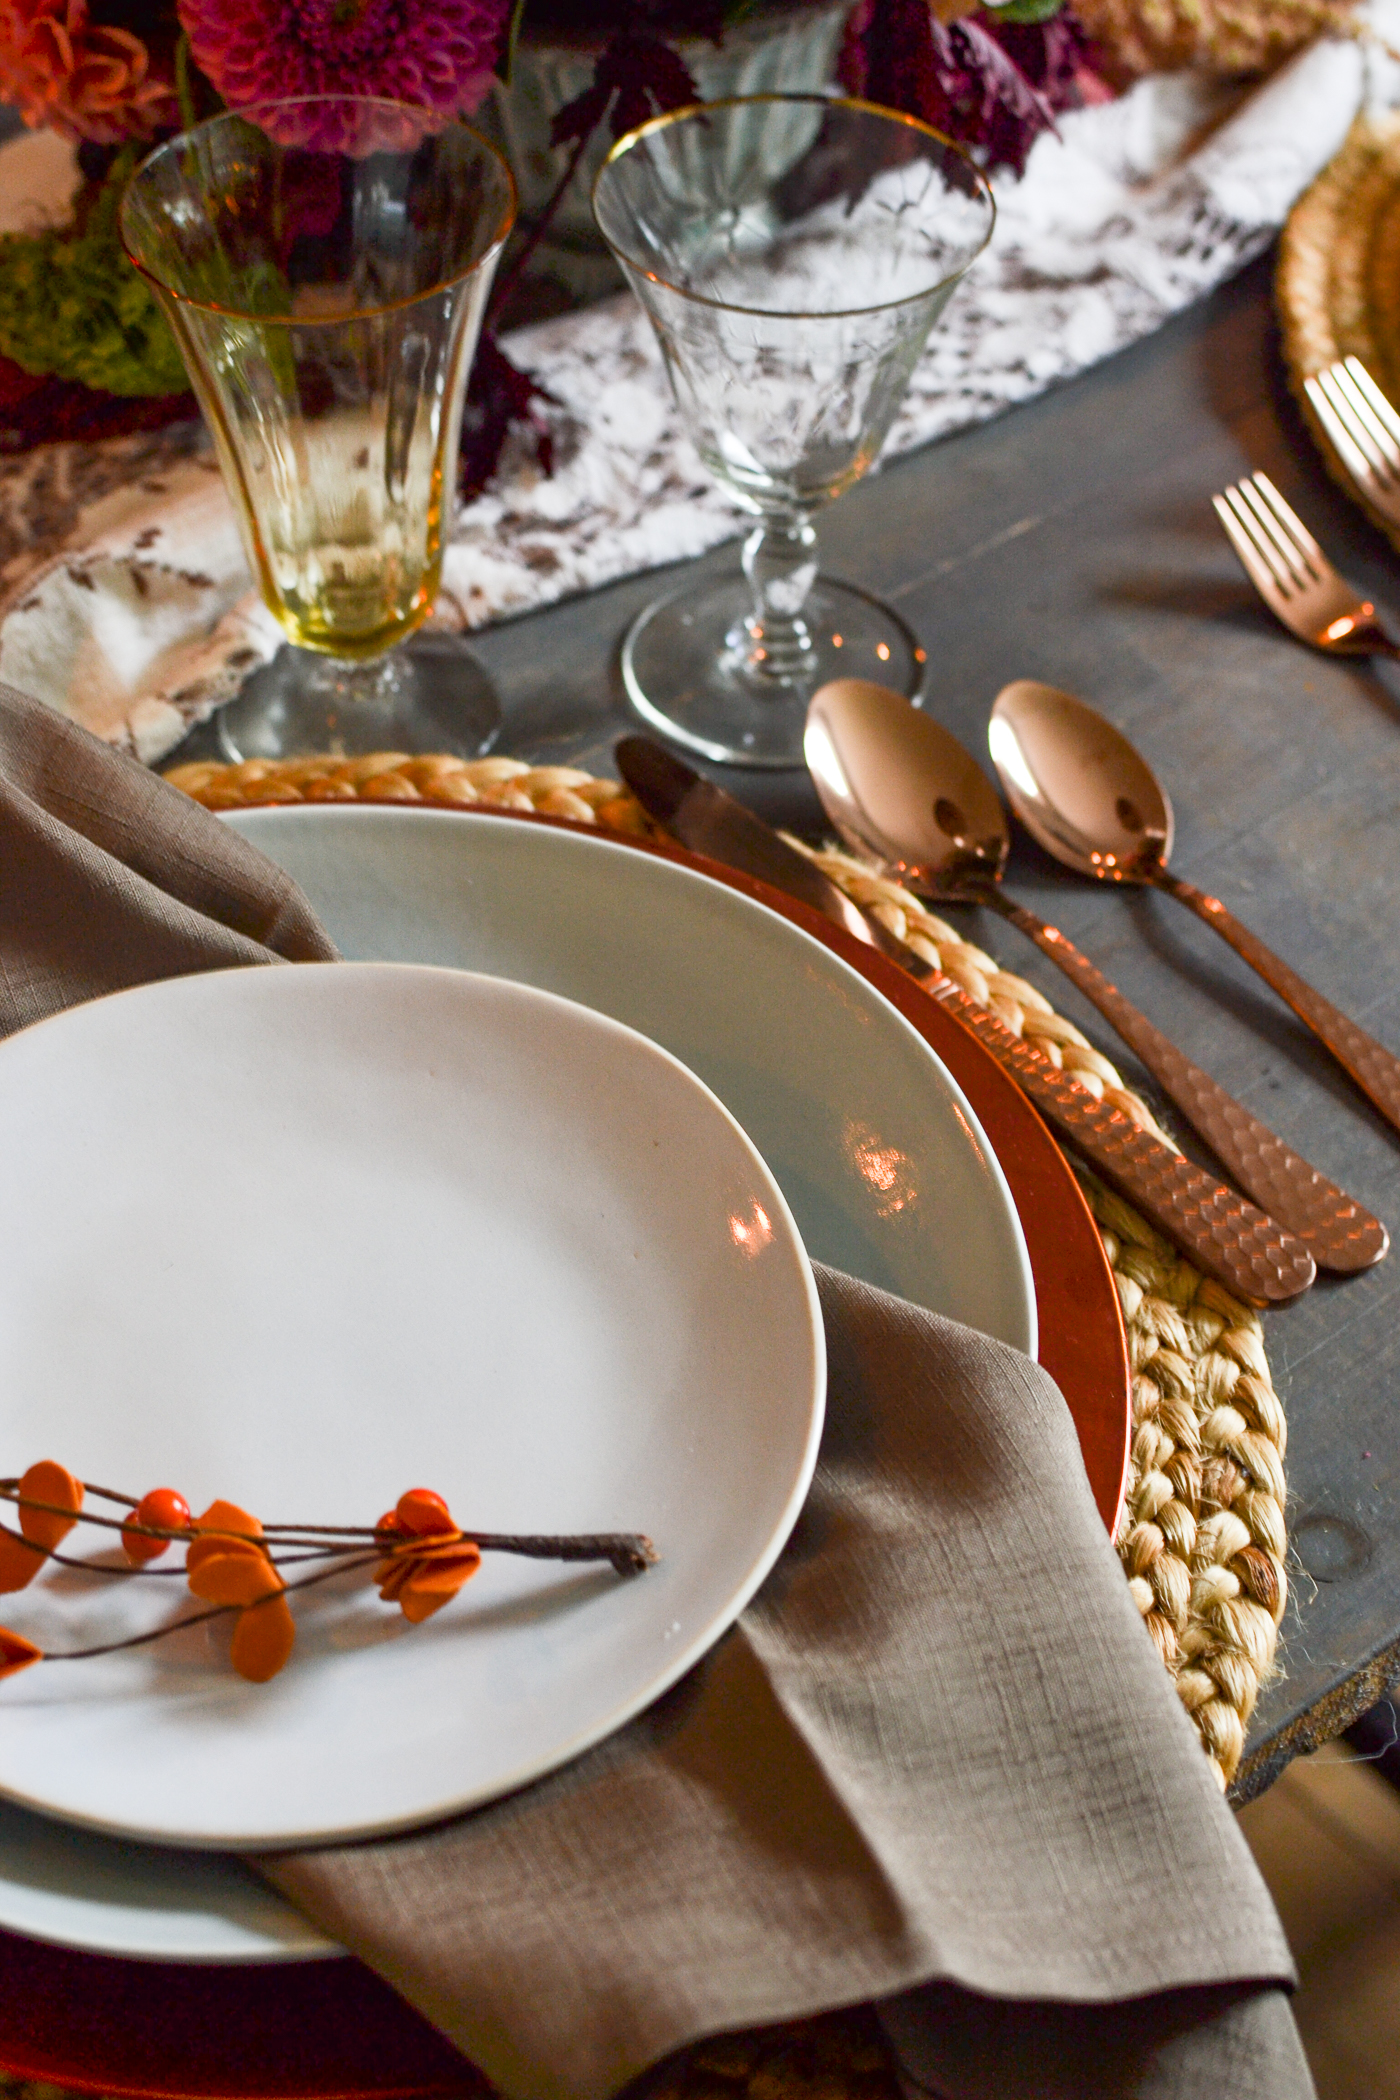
x=84 y=349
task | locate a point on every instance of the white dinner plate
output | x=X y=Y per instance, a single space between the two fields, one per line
x=885 y=1167
x=304 y=1238
x=872 y=1140
x=106 y=1895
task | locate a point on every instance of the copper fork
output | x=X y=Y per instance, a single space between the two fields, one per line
x=1364 y=429
x=1294 y=577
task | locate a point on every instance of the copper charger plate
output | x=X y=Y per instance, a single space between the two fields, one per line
x=332 y=2030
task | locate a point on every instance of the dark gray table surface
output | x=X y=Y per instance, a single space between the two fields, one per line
x=1073 y=540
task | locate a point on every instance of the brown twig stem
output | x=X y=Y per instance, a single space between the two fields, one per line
x=629 y=1552
x=197 y=1618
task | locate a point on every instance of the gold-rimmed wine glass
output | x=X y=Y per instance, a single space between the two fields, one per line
x=792 y=253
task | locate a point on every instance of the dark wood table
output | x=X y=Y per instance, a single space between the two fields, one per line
x=1073 y=540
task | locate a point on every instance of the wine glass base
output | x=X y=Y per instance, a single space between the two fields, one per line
x=688 y=663
x=429 y=694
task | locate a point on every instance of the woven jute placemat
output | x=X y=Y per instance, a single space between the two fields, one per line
x=1202 y=1536
x=1230 y=37
x=1337 y=285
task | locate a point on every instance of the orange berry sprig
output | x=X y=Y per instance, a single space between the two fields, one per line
x=419 y=1555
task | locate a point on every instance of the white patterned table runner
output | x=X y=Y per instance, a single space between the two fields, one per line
x=129 y=604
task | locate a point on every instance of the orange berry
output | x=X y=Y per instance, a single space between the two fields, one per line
x=422 y=1512
x=162 y=1507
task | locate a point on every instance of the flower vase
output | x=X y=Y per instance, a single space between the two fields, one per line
x=787 y=46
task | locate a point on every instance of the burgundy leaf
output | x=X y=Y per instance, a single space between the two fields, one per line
x=688 y=18
x=577 y=120
x=888 y=57
x=498 y=394
x=1052 y=55
x=962 y=78
x=638 y=76
x=43 y=411
x=1010 y=112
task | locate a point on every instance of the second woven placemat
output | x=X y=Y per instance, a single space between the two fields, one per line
x=1202 y=1536
x=1338 y=281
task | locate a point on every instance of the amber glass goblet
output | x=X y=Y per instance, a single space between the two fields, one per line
x=324 y=263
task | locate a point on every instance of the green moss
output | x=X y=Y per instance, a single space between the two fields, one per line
x=72 y=305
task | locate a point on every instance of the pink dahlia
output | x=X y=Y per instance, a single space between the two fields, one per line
x=436 y=54
x=85 y=79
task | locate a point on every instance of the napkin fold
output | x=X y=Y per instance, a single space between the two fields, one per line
x=936 y=1763
x=109 y=877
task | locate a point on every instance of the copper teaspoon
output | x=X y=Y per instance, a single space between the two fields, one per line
x=909 y=800
x=1089 y=798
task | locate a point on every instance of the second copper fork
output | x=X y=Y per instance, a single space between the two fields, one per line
x=1294 y=577
x=1364 y=430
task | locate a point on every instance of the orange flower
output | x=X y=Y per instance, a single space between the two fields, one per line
x=430 y=1559
x=222 y=1523
x=421 y=1579
x=232 y=1571
x=85 y=79
x=16 y=1653
x=263 y=1638
x=43 y=1529
x=48 y=1482
x=19 y=1563
x=227 y=1563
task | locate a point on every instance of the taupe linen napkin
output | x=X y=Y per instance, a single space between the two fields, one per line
x=937 y=1746
x=110 y=878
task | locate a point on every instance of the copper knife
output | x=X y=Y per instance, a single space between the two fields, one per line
x=1228 y=1237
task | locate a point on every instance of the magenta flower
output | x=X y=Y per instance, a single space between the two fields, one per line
x=437 y=54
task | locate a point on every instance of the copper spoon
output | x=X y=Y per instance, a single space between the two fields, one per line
x=910 y=801
x=1089 y=798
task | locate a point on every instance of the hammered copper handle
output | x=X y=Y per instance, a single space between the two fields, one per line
x=1374 y=1069
x=1222 y=1232
x=1337 y=1232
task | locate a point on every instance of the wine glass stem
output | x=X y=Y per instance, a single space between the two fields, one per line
x=780 y=561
